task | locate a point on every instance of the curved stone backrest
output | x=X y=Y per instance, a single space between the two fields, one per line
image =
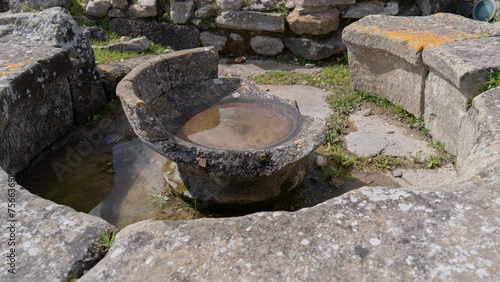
x=157 y=77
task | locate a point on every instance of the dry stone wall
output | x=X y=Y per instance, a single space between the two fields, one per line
x=308 y=28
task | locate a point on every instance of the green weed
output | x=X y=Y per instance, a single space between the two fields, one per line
x=108 y=240
x=92 y=121
x=160 y=199
x=433 y=161
x=493 y=82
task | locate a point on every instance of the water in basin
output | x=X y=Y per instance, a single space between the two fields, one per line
x=240 y=126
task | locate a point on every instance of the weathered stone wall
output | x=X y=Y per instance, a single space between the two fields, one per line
x=49 y=82
x=309 y=28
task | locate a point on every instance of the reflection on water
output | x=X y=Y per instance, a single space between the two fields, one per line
x=137 y=177
x=239 y=127
x=115 y=181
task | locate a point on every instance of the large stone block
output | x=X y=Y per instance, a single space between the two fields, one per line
x=313 y=20
x=457 y=72
x=366 y=234
x=312 y=49
x=98 y=8
x=143 y=9
x=385 y=52
x=36 y=106
x=213 y=39
x=478 y=156
x=252 y=21
x=265 y=45
x=381 y=73
x=180 y=11
x=17 y=6
x=52 y=242
x=323 y=3
x=363 y=9
x=179 y=37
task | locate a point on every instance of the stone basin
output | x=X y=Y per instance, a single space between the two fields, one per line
x=161 y=95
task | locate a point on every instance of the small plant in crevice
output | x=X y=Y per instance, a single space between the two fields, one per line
x=436 y=144
x=110 y=105
x=107 y=238
x=92 y=121
x=160 y=199
x=493 y=81
x=432 y=161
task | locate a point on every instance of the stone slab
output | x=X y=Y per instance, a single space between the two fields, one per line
x=422 y=179
x=363 y=9
x=376 y=135
x=323 y=3
x=178 y=37
x=479 y=144
x=312 y=49
x=464 y=63
x=381 y=73
x=444 y=109
x=51 y=242
x=406 y=37
x=252 y=21
x=311 y=100
x=35 y=102
x=366 y=234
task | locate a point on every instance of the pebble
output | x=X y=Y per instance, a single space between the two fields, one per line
x=321 y=161
x=398 y=173
x=367 y=112
x=310 y=66
x=337 y=182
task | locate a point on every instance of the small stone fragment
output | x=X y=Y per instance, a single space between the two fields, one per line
x=237 y=60
x=398 y=173
x=310 y=66
x=321 y=161
x=337 y=182
x=202 y=162
x=368 y=112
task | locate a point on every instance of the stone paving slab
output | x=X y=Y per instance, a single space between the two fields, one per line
x=311 y=100
x=376 y=135
x=372 y=234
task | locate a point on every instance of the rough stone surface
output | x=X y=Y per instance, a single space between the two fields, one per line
x=406 y=37
x=429 y=7
x=16 y=6
x=369 y=233
x=315 y=49
x=178 y=37
x=206 y=11
x=94 y=33
x=374 y=135
x=55 y=27
x=457 y=71
x=138 y=45
x=98 y=8
x=363 y=9
x=253 y=21
x=120 y=4
x=385 y=53
x=266 y=45
x=313 y=20
x=58 y=85
x=114 y=72
x=35 y=102
x=323 y=3
x=143 y=9
x=208 y=38
x=479 y=144
x=116 y=13
x=310 y=100
x=180 y=10
x=230 y=4
x=52 y=242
